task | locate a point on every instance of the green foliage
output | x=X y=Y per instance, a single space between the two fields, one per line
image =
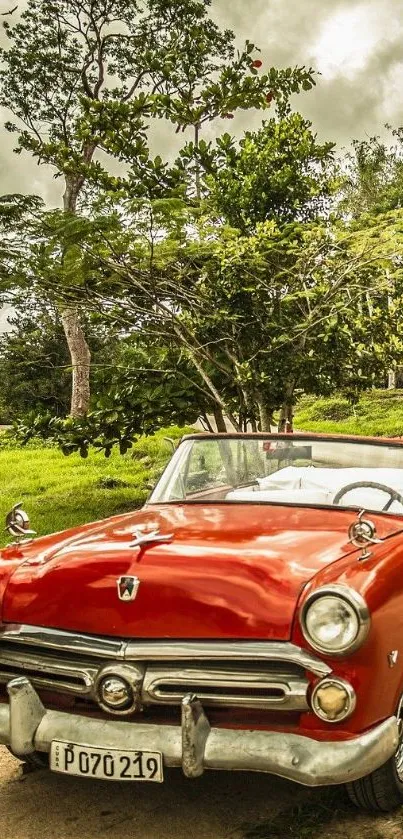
x=15 y=209
x=34 y=367
x=254 y=315
x=142 y=389
x=378 y=413
x=292 y=302
x=61 y=492
x=278 y=173
x=373 y=176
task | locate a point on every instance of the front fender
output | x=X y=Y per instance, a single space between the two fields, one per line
x=375 y=670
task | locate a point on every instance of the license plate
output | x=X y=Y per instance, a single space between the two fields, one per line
x=106 y=764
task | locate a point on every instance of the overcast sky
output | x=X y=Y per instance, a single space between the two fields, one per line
x=357 y=47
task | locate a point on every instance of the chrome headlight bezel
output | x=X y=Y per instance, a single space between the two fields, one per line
x=355 y=601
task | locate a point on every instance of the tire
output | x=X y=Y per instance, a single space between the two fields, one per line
x=382 y=790
x=37 y=760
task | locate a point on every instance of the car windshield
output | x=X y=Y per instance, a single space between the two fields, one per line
x=285 y=470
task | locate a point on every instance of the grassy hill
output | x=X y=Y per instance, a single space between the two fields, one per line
x=60 y=492
x=379 y=413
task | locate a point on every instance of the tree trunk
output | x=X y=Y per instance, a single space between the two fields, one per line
x=206 y=423
x=80 y=361
x=391 y=379
x=79 y=350
x=286 y=418
x=219 y=420
x=287 y=410
x=265 y=416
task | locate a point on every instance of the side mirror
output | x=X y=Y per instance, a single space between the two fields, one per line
x=17 y=522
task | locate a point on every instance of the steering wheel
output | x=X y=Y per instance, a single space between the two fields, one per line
x=394 y=495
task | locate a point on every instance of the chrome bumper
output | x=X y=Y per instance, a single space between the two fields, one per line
x=26 y=726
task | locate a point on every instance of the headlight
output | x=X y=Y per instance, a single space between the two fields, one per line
x=335 y=620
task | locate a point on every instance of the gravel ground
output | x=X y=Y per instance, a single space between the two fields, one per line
x=43 y=805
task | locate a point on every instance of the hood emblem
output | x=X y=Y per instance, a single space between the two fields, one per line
x=127 y=588
x=143 y=537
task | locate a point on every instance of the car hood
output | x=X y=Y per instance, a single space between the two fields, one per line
x=233 y=571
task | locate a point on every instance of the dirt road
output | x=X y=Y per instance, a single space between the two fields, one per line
x=41 y=805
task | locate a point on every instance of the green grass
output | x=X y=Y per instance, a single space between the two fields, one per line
x=59 y=492
x=379 y=413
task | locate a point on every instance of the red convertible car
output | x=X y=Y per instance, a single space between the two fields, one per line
x=249 y=617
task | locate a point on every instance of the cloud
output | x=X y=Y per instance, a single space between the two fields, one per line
x=349 y=38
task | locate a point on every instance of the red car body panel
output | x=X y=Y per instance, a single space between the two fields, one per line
x=230 y=571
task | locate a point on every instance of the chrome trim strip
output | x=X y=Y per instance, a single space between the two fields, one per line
x=224 y=650
x=58 y=640
x=163 y=650
x=218 y=687
x=26 y=725
x=50 y=674
x=214 y=685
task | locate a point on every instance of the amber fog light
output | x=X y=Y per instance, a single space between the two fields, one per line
x=333 y=700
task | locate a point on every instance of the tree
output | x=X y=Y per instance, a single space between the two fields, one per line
x=257 y=315
x=373 y=176
x=35 y=363
x=258 y=312
x=83 y=76
x=371 y=189
x=279 y=172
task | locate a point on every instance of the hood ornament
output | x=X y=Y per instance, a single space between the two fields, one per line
x=17 y=523
x=362 y=533
x=148 y=537
x=127 y=588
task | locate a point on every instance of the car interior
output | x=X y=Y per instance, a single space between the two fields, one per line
x=313 y=472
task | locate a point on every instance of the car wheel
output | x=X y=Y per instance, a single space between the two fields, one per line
x=382 y=790
x=37 y=760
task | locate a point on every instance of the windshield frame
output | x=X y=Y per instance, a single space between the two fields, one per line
x=305 y=437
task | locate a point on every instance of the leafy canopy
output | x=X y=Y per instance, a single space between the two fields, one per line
x=82 y=75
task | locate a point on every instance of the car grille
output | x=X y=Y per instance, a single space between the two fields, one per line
x=238 y=674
